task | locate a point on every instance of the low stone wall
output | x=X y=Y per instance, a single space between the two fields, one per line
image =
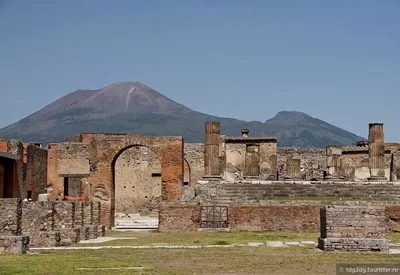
x=353 y=228
x=279 y=216
x=51 y=223
x=179 y=217
x=10 y=217
x=14 y=244
x=274 y=218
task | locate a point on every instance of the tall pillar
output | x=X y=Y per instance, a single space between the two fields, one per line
x=252 y=161
x=293 y=169
x=334 y=163
x=376 y=148
x=211 y=150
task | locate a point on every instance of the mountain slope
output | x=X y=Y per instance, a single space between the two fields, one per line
x=131 y=107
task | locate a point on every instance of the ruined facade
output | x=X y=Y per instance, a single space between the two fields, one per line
x=246 y=179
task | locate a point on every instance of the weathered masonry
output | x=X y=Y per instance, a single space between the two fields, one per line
x=353 y=228
x=91 y=163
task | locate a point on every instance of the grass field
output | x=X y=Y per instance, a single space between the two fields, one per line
x=220 y=260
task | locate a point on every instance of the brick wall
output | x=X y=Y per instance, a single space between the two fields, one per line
x=353 y=228
x=180 y=217
x=36 y=170
x=272 y=218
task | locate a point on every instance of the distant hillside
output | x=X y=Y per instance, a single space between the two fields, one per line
x=131 y=107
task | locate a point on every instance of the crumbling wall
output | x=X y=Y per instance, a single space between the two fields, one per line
x=36 y=170
x=355 y=163
x=70 y=160
x=104 y=148
x=10 y=217
x=234 y=153
x=137 y=181
x=353 y=228
x=194 y=155
x=16 y=147
x=312 y=160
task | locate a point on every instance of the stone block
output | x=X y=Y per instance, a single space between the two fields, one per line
x=69 y=236
x=45 y=239
x=14 y=244
x=93 y=231
x=44 y=197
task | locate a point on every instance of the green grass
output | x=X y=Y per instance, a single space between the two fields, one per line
x=239 y=260
x=203 y=237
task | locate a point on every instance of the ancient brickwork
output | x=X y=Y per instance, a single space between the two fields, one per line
x=179 y=217
x=312 y=161
x=194 y=155
x=16 y=147
x=392 y=213
x=3 y=145
x=36 y=170
x=271 y=218
x=10 y=216
x=67 y=160
x=137 y=181
x=264 y=190
x=376 y=146
x=353 y=228
x=105 y=150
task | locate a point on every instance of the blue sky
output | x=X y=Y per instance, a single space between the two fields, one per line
x=335 y=60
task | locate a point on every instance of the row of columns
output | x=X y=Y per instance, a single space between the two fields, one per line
x=376 y=143
x=376 y=152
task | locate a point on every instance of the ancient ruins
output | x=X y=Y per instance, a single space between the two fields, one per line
x=80 y=187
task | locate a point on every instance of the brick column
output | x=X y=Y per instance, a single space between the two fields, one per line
x=376 y=148
x=252 y=161
x=293 y=169
x=211 y=150
x=334 y=163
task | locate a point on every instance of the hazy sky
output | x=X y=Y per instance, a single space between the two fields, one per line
x=335 y=60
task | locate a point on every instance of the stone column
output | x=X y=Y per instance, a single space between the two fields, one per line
x=252 y=161
x=293 y=169
x=376 y=148
x=334 y=163
x=211 y=150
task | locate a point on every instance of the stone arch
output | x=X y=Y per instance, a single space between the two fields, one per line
x=105 y=150
x=136 y=186
x=187 y=172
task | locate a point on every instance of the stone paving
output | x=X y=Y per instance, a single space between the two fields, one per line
x=165 y=245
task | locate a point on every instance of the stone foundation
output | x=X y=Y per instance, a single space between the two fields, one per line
x=353 y=244
x=14 y=244
x=353 y=228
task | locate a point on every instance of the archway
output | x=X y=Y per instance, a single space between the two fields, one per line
x=136 y=188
